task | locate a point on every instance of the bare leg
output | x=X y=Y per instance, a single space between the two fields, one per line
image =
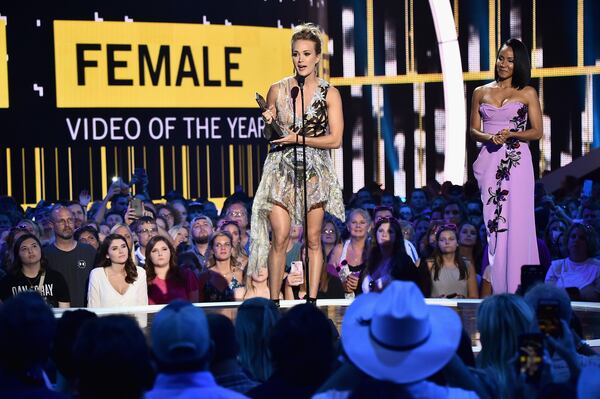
x=280 y=230
x=315 y=254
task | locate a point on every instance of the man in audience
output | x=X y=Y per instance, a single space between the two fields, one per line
x=145 y=228
x=302 y=353
x=398 y=341
x=74 y=260
x=78 y=213
x=27 y=328
x=112 y=359
x=182 y=349
x=201 y=228
x=224 y=365
x=418 y=201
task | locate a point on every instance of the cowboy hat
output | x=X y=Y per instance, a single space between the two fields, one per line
x=395 y=336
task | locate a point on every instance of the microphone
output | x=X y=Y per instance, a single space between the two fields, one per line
x=294 y=92
x=300 y=80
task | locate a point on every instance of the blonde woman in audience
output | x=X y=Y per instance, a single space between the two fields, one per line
x=179 y=234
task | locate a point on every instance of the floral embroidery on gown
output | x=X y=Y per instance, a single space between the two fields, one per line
x=505 y=178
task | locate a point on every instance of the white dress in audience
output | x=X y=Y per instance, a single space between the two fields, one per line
x=565 y=273
x=101 y=294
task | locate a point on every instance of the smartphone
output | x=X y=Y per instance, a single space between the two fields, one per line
x=548 y=318
x=297 y=268
x=136 y=204
x=530 y=276
x=531 y=356
x=587 y=188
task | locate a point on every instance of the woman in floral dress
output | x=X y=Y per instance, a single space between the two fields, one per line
x=503 y=169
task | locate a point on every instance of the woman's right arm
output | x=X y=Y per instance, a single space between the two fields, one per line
x=271 y=113
x=94 y=291
x=475 y=121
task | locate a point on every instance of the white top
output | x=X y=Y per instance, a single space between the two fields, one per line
x=101 y=293
x=566 y=273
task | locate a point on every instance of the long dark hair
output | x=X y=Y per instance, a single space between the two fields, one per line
x=174 y=270
x=103 y=261
x=459 y=261
x=477 y=249
x=522 y=65
x=17 y=264
x=398 y=248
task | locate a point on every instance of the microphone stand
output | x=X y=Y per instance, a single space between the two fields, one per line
x=300 y=80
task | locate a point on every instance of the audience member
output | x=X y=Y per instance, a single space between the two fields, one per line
x=180 y=235
x=554 y=238
x=67 y=329
x=302 y=354
x=116 y=281
x=202 y=229
x=238 y=211
x=349 y=260
x=254 y=323
x=330 y=238
x=111 y=359
x=396 y=363
x=388 y=260
x=29 y=272
x=78 y=213
x=418 y=201
x=182 y=348
x=169 y=214
x=469 y=245
x=580 y=270
x=451 y=275
x=72 y=259
x=145 y=228
x=256 y=285
x=238 y=251
x=27 y=328
x=166 y=281
x=223 y=276
x=87 y=235
x=224 y=364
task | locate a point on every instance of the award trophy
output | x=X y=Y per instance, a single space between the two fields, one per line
x=272 y=131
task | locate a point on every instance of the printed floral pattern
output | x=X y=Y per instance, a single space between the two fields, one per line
x=511 y=160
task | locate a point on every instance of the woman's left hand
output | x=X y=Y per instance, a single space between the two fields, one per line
x=291 y=138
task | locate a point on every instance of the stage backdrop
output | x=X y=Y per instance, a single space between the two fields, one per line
x=91 y=90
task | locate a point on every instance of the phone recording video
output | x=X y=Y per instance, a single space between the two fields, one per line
x=548 y=317
x=531 y=356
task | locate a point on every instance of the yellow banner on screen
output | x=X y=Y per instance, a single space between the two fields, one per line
x=3 y=66
x=166 y=65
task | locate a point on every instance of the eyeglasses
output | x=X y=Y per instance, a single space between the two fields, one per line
x=148 y=231
x=65 y=222
x=236 y=213
x=328 y=231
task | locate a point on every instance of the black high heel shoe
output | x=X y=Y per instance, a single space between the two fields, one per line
x=276 y=302
x=312 y=301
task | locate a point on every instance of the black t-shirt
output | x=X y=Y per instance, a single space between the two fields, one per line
x=75 y=266
x=54 y=289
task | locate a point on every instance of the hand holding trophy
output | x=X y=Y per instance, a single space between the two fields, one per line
x=272 y=130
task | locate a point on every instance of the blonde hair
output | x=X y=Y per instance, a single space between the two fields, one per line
x=308 y=31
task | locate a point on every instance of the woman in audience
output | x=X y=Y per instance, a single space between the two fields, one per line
x=330 y=238
x=500 y=320
x=469 y=245
x=166 y=281
x=238 y=251
x=238 y=211
x=388 y=260
x=116 y=281
x=29 y=272
x=88 y=235
x=224 y=275
x=350 y=259
x=255 y=319
x=580 y=269
x=257 y=285
x=179 y=234
x=427 y=244
x=555 y=231
x=451 y=275
x=124 y=231
x=169 y=214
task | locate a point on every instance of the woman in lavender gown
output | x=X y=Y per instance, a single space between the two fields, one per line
x=503 y=169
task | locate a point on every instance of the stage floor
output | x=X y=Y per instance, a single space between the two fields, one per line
x=587 y=312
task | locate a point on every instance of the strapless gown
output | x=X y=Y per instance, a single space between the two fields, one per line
x=505 y=178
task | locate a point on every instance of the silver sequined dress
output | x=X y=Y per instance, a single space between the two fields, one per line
x=281 y=181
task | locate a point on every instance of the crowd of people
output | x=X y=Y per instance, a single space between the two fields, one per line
x=103 y=254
